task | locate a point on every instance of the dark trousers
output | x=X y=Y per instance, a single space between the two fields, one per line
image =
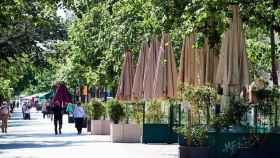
x=79 y=124
x=57 y=111
x=58 y=119
x=44 y=114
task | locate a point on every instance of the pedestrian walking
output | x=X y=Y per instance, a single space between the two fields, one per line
x=79 y=114
x=61 y=99
x=27 y=112
x=23 y=109
x=70 y=110
x=58 y=116
x=49 y=110
x=4 y=116
x=44 y=109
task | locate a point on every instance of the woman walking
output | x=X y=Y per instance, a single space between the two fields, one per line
x=4 y=116
x=58 y=117
x=79 y=114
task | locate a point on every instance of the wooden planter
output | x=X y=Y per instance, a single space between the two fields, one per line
x=125 y=133
x=100 y=127
x=193 y=152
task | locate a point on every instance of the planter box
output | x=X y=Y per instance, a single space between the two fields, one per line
x=100 y=127
x=125 y=133
x=193 y=152
x=182 y=140
x=159 y=133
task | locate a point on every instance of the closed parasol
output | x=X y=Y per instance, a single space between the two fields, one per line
x=165 y=83
x=124 y=91
x=197 y=65
x=138 y=83
x=150 y=68
x=232 y=71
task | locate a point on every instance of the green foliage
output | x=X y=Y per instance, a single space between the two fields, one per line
x=258 y=51
x=138 y=112
x=94 y=109
x=220 y=122
x=232 y=116
x=24 y=24
x=208 y=19
x=201 y=98
x=103 y=30
x=236 y=111
x=115 y=111
x=195 y=136
x=5 y=90
x=154 y=112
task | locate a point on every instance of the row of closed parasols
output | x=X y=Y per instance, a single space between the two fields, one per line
x=155 y=75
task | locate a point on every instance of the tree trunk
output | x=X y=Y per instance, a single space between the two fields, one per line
x=273 y=57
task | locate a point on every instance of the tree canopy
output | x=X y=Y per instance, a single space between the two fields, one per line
x=37 y=48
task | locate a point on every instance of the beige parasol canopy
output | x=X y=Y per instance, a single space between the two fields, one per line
x=232 y=71
x=197 y=66
x=126 y=79
x=138 y=86
x=165 y=83
x=150 y=68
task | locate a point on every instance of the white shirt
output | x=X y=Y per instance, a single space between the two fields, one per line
x=79 y=112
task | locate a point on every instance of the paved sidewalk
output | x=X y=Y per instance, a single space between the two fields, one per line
x=35 y=139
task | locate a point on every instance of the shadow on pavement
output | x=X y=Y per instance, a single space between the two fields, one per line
x=40 y=144
x=41 y=135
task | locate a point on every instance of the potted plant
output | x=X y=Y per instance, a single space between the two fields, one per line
x=158 y=125
x=122 y=132
x=99 y=126
x=194 y=143
x=193 y=137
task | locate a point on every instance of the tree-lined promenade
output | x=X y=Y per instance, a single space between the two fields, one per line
x=200 y=73
x=38 y=48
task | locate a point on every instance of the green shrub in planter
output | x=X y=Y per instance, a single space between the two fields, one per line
x=154 y=113
x=138 y=112
x=195 y=136
x=94 y=109
x=115 y=111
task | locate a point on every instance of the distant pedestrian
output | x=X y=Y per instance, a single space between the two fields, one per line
x=49 y=110
x=79 y=114
x=27 y=112
x=58 y=116
x=44 y=109
x=23 y=109
x=13 y=104
x=4 y=116
x=70 y=110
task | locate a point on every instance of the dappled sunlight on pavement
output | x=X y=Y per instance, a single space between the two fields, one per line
x=35 y=138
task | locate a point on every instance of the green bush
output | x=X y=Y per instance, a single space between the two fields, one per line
x=115 y=111
x=94 y=109
x=154 y=113
x=233 y=115
x=138 y=112
x=195 y=136
x=5 y=90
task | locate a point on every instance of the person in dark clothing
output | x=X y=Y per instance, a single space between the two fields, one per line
x=58 y=115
